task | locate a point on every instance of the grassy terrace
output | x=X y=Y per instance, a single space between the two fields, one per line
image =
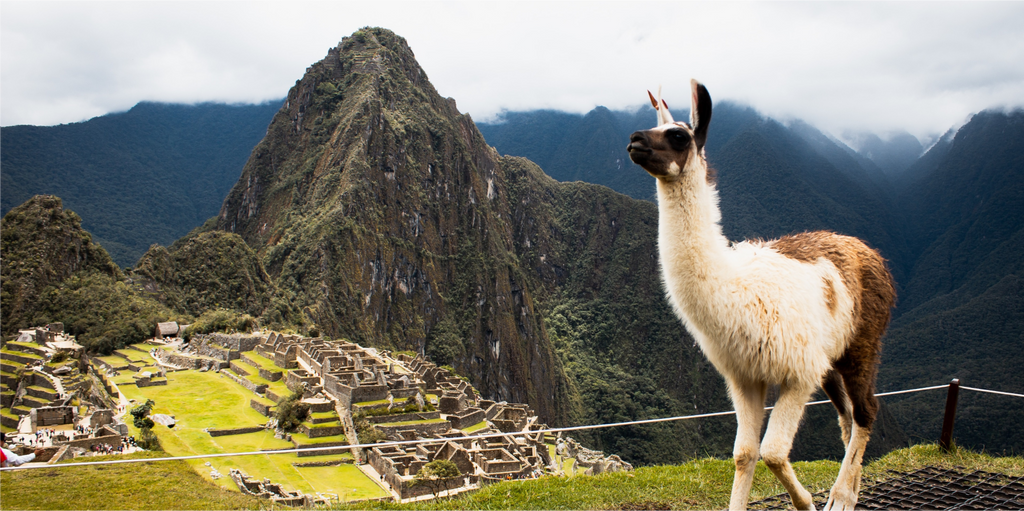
x=159 y=485
x=6 y=353
x=398 y=402
x=476 y=427
x=262 y=361
x=304 y=441
x=27 y=345
x=406 y=423
x=277 y=387
x=201 y=400
x=114 y=361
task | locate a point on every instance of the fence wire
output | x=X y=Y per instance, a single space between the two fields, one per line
x=463 y=438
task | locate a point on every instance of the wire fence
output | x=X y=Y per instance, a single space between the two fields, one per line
x=476 y=437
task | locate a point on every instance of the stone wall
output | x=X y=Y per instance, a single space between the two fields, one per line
x=319 y=432
x=88 y=443
x=425 y=430
x=257 y=389
x=53 y=416
x=467 y=418
x=150 y=382
x=237 y=342
x=235 y=431
x=402 y=417
x=263 y=408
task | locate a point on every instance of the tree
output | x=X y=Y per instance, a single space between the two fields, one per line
x=140 y=415
x=291 y=411
x=437 y=474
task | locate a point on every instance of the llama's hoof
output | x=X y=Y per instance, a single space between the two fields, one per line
x=841 y=500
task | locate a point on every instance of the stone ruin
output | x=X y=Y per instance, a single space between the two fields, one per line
x=267 y=490
x=382 y=388
x=594 y=461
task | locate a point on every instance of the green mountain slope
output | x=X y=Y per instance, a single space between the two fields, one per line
x=148 y=175
x=53 y=272
x=963 y=312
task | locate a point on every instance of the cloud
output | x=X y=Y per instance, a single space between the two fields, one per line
x=865 y=66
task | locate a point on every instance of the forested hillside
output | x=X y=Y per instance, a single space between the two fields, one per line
x=148 y=175
x=962 y=308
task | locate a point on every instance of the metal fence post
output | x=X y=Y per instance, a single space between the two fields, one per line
x=946 y=440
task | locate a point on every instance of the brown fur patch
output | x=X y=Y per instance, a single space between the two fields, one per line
x=864 y=273
x=830 y=295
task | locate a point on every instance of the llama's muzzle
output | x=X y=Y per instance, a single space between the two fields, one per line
x=639 y=147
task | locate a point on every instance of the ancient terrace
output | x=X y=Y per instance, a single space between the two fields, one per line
x=402 y=397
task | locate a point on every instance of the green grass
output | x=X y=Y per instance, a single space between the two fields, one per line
x=113 y=361
x=278 y=387
x=27 y=345
x=304 y=441
x=202 y=400
x=406 y=423
x=24 y=354
x=262 y=361
x=700 y=484
x=156 y=485
x=476 y=427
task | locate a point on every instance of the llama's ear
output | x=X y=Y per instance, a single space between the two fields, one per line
x=661 y=108
x=700 y=113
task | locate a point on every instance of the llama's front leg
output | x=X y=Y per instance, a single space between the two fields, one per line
x=778 y=441
x=748 y=399
x=844 y=493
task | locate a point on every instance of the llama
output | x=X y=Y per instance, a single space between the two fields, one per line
x=798 y=312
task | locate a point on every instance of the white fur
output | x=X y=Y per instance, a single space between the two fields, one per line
x=759 y=316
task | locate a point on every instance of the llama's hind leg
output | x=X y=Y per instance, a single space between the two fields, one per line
x=835 y=389
x=778 y=441
x=748 y=399
x=865 y=406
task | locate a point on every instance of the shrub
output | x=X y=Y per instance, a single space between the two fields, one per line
x=147 y=439
x=437 y=474
x=291 y=411
x=220 y=320
x=366 y=432
x=140 y=416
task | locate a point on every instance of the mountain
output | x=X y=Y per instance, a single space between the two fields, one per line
x=148 y=175
x=43 y=244
x=773 y=179
x=893 y=155
x=52 y=271
x=382 y=210
x=963 y=303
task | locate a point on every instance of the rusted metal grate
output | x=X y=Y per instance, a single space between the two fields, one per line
x=929 y=488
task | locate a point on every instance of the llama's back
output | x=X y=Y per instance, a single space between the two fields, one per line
x=865 y=275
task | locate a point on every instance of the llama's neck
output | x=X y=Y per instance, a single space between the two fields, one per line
x=695 y=255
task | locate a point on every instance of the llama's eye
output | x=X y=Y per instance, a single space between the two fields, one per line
x=678 y=139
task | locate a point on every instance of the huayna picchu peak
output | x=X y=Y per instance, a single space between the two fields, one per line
x=381 y=208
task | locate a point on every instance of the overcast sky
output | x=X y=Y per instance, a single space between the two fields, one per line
x=917 y=66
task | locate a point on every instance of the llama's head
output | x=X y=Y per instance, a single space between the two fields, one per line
x=672 y=149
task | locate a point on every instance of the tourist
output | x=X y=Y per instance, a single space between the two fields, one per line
x=9 y=459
